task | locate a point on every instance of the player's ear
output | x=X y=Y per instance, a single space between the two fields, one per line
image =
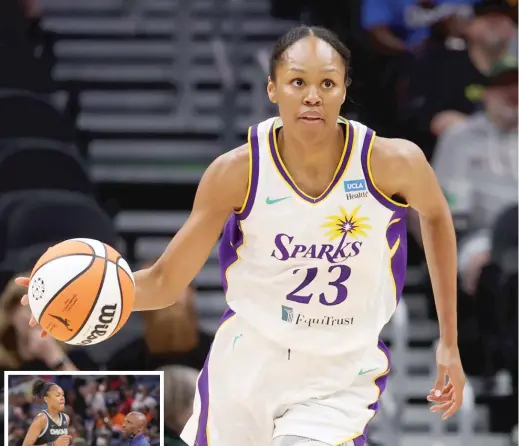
x=271 y=91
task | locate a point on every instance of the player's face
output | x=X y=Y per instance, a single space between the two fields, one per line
x=56 y=398
x=310 y=86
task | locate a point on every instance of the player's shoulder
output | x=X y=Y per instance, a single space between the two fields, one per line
x=225 y=181
x=40 y=419
x=233 y=164
x=392 y=161
x=396 y=152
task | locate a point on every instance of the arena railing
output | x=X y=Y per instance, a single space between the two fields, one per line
x=393 y=402
x=227 y=56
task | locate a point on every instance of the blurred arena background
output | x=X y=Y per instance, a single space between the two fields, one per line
x=96 y=405
x=111 y=109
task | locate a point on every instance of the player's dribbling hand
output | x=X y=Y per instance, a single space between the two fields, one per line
x=447 y=394
x=64 y=440
x=24 y=281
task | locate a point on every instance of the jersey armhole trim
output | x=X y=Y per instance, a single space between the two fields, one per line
x=44 y=431
x=252 y=186
x=380 y=196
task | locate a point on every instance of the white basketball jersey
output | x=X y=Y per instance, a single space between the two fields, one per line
x=321 y=275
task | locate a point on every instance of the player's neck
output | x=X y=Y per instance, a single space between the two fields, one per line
x=309 y=155
x=54 y=414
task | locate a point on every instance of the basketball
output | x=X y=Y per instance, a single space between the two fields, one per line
x=81 y=291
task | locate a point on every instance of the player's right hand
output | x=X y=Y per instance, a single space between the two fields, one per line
x=64 y=440
x=24 y=281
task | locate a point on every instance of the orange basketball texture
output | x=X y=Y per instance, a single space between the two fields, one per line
x=81 y=291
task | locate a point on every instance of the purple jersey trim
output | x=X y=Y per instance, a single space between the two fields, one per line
x=365 y=154
x=253 y=173
x=232 y=240
x=203 y=391
x=381 y=383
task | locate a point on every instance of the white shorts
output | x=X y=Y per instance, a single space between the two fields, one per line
x=252 y=390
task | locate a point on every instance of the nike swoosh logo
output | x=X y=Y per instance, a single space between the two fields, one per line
x=364 y=372
x=276 y=200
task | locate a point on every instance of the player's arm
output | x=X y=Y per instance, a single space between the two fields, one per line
x=35 y=430
x=222 y=189
x=401 y=168
x=412 y=178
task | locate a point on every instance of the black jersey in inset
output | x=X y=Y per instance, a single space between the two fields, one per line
x=52 y=430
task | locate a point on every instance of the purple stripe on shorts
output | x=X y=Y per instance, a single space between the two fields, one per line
x=399 y=259
x=381 y=383
x=232 y=239
x=348 y=146
x=370 y=135
x=203 y=391
x=254 y=154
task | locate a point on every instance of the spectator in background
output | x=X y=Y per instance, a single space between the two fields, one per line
x=446 y=82
x=476 y=164
x=143 y=400
x=134 y=428
x=399 y=30
x=21 y=346
x=179 y=394
x=93 y=394
x=128 y=400
x=171 y=336
x=400 y=26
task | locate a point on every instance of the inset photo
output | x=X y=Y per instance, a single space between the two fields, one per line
x=73 y=409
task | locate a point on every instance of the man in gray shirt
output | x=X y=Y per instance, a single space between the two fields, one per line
x=476 y=164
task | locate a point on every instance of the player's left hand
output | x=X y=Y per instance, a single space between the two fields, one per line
x=447 y=394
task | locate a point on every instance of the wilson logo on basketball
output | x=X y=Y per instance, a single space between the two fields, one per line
x=105 y=319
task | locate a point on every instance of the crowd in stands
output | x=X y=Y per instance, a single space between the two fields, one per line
x=96 y=406
x=442 y=73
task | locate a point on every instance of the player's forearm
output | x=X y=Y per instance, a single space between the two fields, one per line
x=440 y=250
x=150 y=290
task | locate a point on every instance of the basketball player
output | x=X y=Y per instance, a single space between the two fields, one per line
x=134 y=427
x=50 y=426
x=313 y=260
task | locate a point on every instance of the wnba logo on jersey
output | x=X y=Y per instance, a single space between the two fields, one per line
x=355 y=189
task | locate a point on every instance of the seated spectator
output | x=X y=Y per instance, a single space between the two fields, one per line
x=171 y=336
x=143 y=400
x=400 y=26
x=446 y=81
x=476 y=164
x=21 y=346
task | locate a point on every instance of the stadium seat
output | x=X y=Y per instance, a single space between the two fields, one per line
x=29 y=164
x=26 y=114
x=42 y=219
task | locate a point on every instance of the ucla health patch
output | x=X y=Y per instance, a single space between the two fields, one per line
x=356 y=189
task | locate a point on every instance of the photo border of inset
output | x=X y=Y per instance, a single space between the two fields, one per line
x=159 y=373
